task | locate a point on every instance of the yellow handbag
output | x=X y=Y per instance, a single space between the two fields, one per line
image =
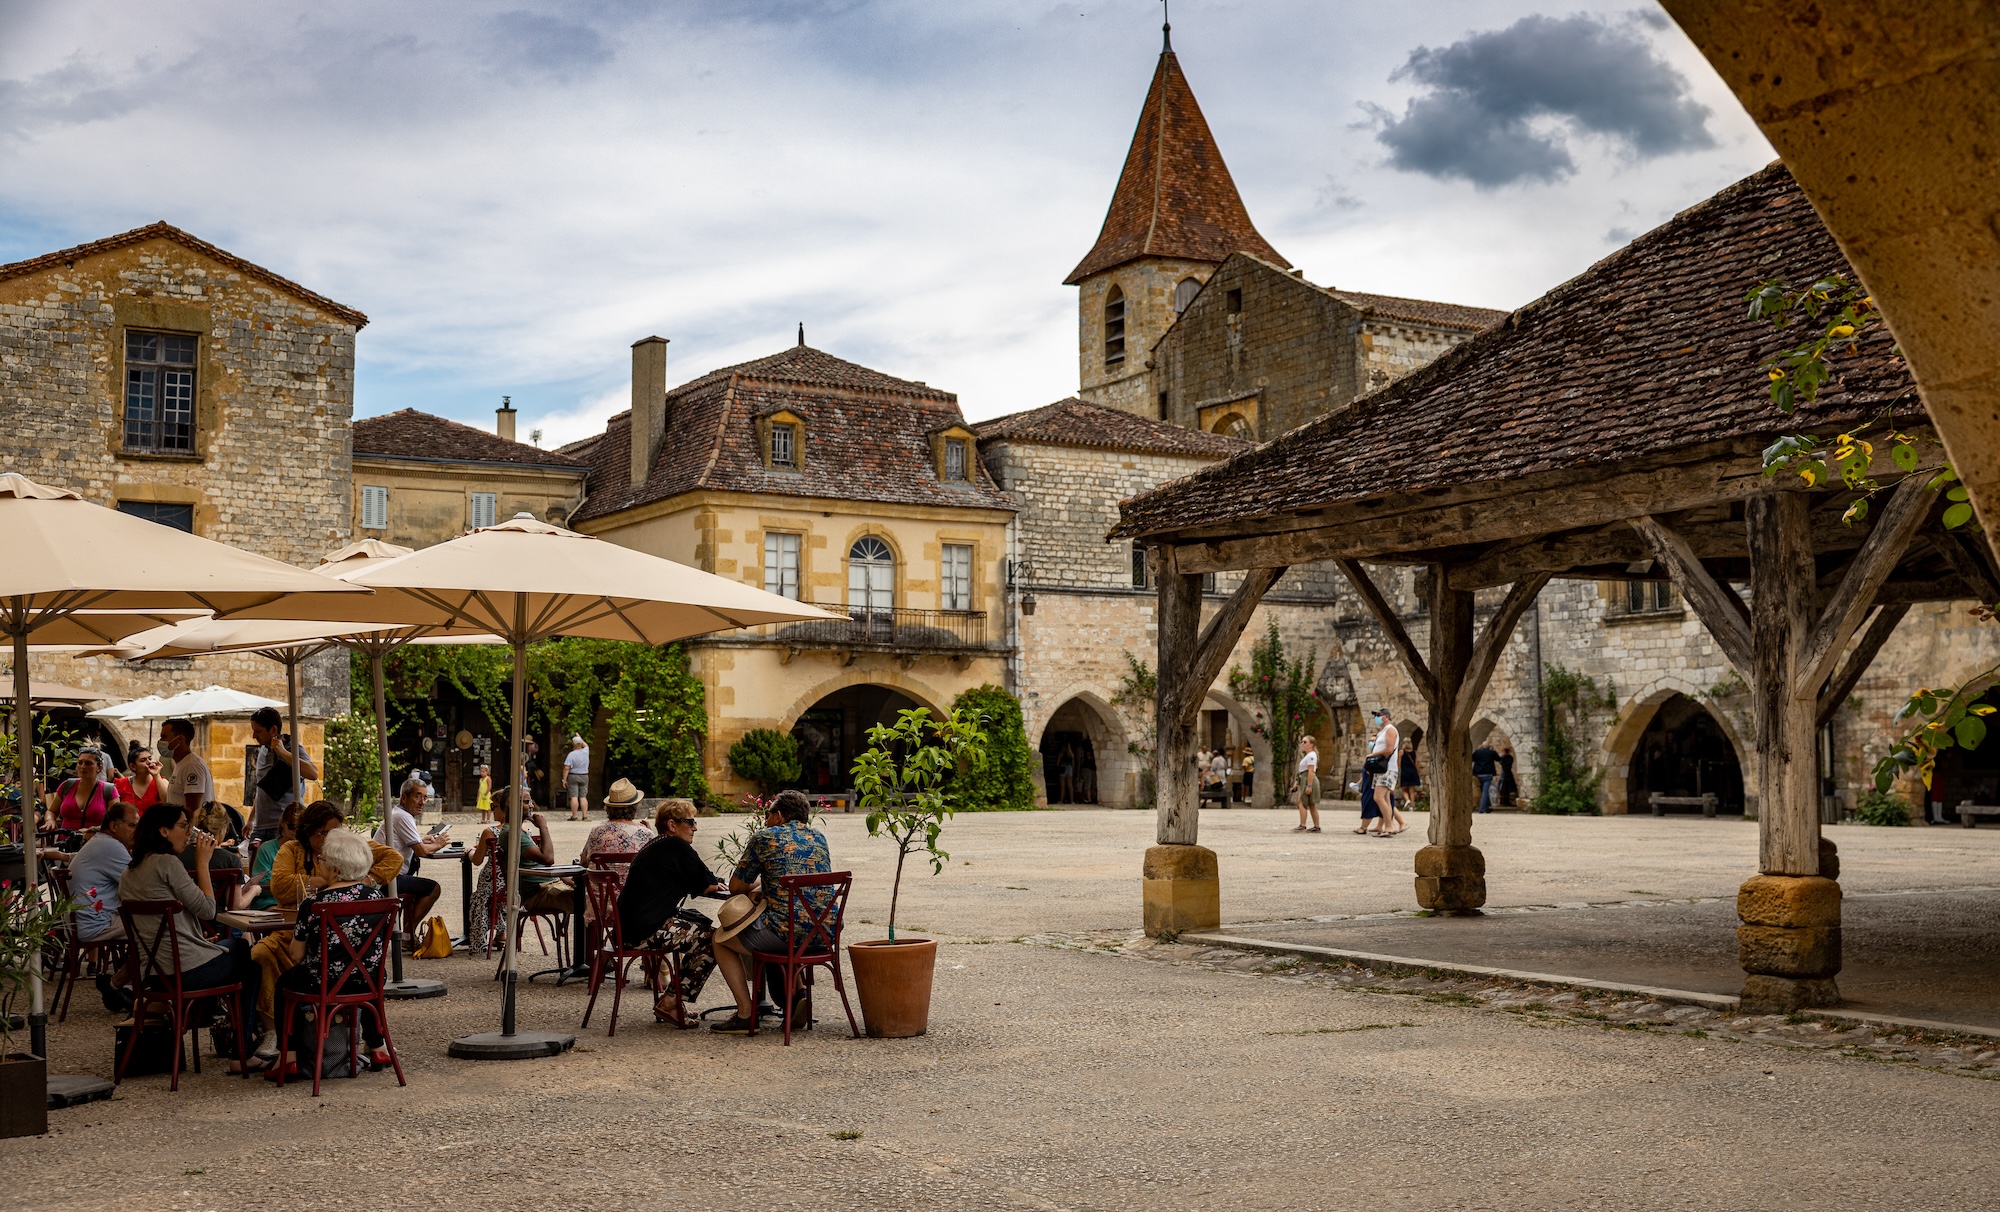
x=434 y=941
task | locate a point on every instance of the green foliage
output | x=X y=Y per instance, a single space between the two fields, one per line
x=1283 y=686
x=1879 y=808
x=1139 y=697
x=1841 y=312
x=766 y=757
x=1001 y=777
x=28 y=927
x=1946 y=719
x=900 y=779
x=56 y=746
x=351 y=766
x=1569 y=786
x=655 y=707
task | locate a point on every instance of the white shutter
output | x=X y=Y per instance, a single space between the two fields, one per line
x=374 y=507
x=484 y=505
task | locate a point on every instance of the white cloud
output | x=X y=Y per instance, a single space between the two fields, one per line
x=514 y=196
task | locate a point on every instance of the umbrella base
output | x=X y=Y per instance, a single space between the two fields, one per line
x=522 y=1045
x=71 y=1090
x=412 y=989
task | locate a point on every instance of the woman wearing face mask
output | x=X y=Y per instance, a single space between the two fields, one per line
x=1383 y=755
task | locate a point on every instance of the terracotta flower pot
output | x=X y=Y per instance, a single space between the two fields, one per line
x=893 y=981
x=24 y=1095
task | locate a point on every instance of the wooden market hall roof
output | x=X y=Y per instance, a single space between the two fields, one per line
x=1634 y=389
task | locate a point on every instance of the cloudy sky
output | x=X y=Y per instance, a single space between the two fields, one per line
x=514 y=192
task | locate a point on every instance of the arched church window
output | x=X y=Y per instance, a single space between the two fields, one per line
x=1114 y=327
x=1184 y=294
x=871 y=577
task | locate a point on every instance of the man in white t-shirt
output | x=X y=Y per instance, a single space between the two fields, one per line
x=400 y=832
x=576 y=768
x=192 y=787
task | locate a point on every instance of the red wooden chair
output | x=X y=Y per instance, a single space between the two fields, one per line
x=159 y=963
x=602 y=885
x=812 y=940
x=343 y=963
x=99 y=954
x=619 y=862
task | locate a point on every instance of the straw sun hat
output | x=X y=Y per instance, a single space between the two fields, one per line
x=735 y=916
x=623 y=793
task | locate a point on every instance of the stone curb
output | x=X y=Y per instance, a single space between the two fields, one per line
x=1710 y=1001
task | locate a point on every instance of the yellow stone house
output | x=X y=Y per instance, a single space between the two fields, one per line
x=827 y=482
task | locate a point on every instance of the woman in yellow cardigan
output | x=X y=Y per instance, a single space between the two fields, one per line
x=292 y=876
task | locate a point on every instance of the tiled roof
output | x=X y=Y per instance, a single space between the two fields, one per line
x=1175 y=197
x=1646 y=354
x=166 y=231
x=867 y=438
x=1072 y=422
x=409 y=434
x=1422 y=311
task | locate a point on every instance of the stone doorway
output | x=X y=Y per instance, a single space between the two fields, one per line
x=1684 y=753
x=1962 y=775
x=835 y=729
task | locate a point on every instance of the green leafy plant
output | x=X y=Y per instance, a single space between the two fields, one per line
x=28 y=929
x=1283 y=686
x=1945 y=719
x=766 y=757
x=1139 y=697
x=1879 y=808
x=901 y=777
x=1001 y=778
x=351 y=769
x=1569 y=786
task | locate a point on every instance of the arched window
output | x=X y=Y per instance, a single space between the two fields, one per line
x=871 y=577
x=1184 y=294
x=1234 y=426
x=1114 y=327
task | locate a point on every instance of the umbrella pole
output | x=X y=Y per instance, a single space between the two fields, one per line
x=398 y=987
x=24 y=753
x=298 y=741
x=517 y=728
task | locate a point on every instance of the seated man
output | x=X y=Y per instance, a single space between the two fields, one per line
x=791 y=847
x=94 y=872
x=399 y=831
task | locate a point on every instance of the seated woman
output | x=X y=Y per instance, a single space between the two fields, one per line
x=543 y=895
x=267 y=856
x=344 y=860
x=142 y=787
x=79 y=803
x=156 y=874
x=650 y=912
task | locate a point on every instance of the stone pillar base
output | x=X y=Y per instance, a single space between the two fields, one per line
x=1451 y=879
x=1183 y=890
x=1789 y=942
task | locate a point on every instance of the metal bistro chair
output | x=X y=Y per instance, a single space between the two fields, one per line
x=159 y=962
x=338 y=973
x=812 y=940
x=101 y=954
x=610 y=950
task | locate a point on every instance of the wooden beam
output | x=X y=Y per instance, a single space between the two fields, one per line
x=1385 y=615
x=1493 y=642
x=1451 y=655
x=1968 y=564
x=1859 y=658
x=1218 y=638
x=1715 y=603
x=1781 y=583
x=1908 y=506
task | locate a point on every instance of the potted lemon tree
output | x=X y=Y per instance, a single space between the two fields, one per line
x=900 y=780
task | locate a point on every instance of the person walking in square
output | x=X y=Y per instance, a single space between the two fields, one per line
x=1485 y=768
x=576 y=768
x=1308 y=785
x=1387 y=771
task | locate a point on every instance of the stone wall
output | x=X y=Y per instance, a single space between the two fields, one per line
x=1148 y=286
x=431 y=501
x=1391 y=349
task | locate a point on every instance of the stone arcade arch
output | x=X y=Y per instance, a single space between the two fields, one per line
x=1245 y=720
x=1636 y=717
x=1103 y=771
x=832 y=719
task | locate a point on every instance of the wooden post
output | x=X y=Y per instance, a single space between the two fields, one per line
x=1452 y=784
x=1177 y=717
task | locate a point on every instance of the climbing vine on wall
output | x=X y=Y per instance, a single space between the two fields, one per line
x=1283 y=685
x=1569 y=786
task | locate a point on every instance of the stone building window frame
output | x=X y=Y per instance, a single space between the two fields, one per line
x=167 y=365
x=955 y=564
x=959 y=473
x=782 y=441
x=871 y=576
x=374 y=507
x=484 y=509
x=1114 y=327
x=783 y=562
x=1184 y=292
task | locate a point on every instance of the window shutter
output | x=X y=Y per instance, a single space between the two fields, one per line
x=374 y=507
x=484 y=505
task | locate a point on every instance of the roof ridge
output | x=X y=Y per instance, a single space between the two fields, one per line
x=161 y=229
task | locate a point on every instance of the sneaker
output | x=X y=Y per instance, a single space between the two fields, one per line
x=267 y=1048
x=735 y=1024
x=116 y=1000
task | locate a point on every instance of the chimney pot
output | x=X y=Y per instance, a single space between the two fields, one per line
x=503 y=418
x=649 y=404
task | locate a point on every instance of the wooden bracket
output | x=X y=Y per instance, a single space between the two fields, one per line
x=1493 y=642
x=1908 y=506
x=1385 y=615
x=1716 y=604
x=1970 y=566
x=1858 y=660
x=1218 y=640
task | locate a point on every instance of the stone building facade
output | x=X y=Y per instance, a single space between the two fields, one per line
x=420 y=479
x=157 y=374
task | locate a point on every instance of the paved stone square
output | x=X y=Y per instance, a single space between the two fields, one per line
x=1062 y=1073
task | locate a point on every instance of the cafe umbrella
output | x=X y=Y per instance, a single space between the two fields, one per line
x=526 y=581
x=56 y=587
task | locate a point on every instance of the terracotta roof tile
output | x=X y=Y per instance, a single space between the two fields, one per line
x=1175 y=197
x=166 y=231
x=1422 y=311
x=1072 y=422
x=409 y=434
x=867 y=438
x=1647 y=353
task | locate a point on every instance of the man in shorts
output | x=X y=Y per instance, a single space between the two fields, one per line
x=401 y=833
x=791 y=847
x=576 y=769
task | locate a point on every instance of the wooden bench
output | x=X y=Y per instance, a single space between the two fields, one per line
x=1707 y=803
x=1219 y=792
x=1967 y=810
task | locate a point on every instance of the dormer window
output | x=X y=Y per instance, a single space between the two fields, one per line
x=784 y=444
x=952 y=450
x=954 y=460
x=784 y=441
x=1114 y=327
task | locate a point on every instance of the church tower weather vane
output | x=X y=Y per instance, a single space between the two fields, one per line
x=1166 y=29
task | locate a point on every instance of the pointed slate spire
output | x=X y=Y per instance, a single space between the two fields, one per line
x=1175 y=197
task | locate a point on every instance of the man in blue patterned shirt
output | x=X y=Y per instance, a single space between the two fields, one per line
x=789 y=847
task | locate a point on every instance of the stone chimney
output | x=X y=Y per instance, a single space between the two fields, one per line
x=649 y=404
x=503 y=418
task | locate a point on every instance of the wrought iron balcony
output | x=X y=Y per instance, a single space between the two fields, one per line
x=894 y=629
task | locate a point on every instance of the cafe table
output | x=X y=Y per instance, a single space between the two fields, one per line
x=257 y=921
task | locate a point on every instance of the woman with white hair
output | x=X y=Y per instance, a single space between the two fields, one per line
x=344 y=860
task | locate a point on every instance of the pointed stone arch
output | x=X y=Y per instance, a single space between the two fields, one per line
x=1116 y=769
x=1636 y=714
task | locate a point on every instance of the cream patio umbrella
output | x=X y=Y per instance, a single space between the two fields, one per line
x=55 y=575
x=525 y=581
